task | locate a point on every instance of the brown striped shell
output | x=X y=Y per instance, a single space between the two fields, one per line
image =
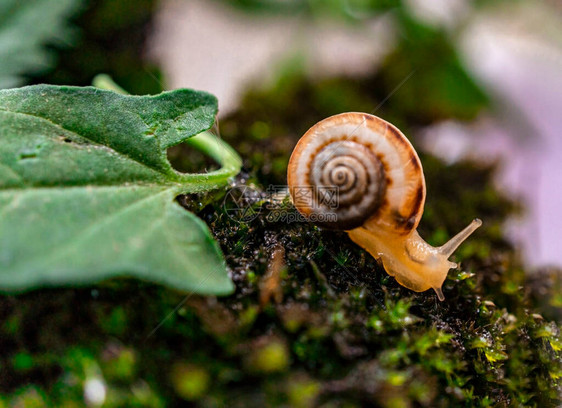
x=353 y=169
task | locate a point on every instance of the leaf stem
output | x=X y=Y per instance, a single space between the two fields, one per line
x=206 y=142
x=104 y=81
x=220 y=151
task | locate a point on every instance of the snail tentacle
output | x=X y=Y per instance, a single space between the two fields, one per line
x=451 y=246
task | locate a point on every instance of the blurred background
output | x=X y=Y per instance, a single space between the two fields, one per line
x=463 y=78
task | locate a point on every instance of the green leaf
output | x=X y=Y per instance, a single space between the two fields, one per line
x=86 y=191
x=26 y=26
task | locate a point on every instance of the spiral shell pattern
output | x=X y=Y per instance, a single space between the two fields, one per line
x=354 y=168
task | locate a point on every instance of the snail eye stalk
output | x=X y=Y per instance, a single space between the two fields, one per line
x=452 y=245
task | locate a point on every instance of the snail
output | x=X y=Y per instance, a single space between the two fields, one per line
x=358 y=173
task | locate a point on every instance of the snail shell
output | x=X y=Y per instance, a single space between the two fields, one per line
x=368 y=163
x=359 y=173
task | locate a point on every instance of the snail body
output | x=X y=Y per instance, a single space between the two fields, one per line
x=359 y=173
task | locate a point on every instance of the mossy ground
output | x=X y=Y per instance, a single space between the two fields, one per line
x=314 y=320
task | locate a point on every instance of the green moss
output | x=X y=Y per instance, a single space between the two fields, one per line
x=190 y=382
x=22 y=361
x=119 y=363
x=269 y=358
x=302 y=391
x=28 y=397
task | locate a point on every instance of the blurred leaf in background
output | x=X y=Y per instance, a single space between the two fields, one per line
x=26 y=28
